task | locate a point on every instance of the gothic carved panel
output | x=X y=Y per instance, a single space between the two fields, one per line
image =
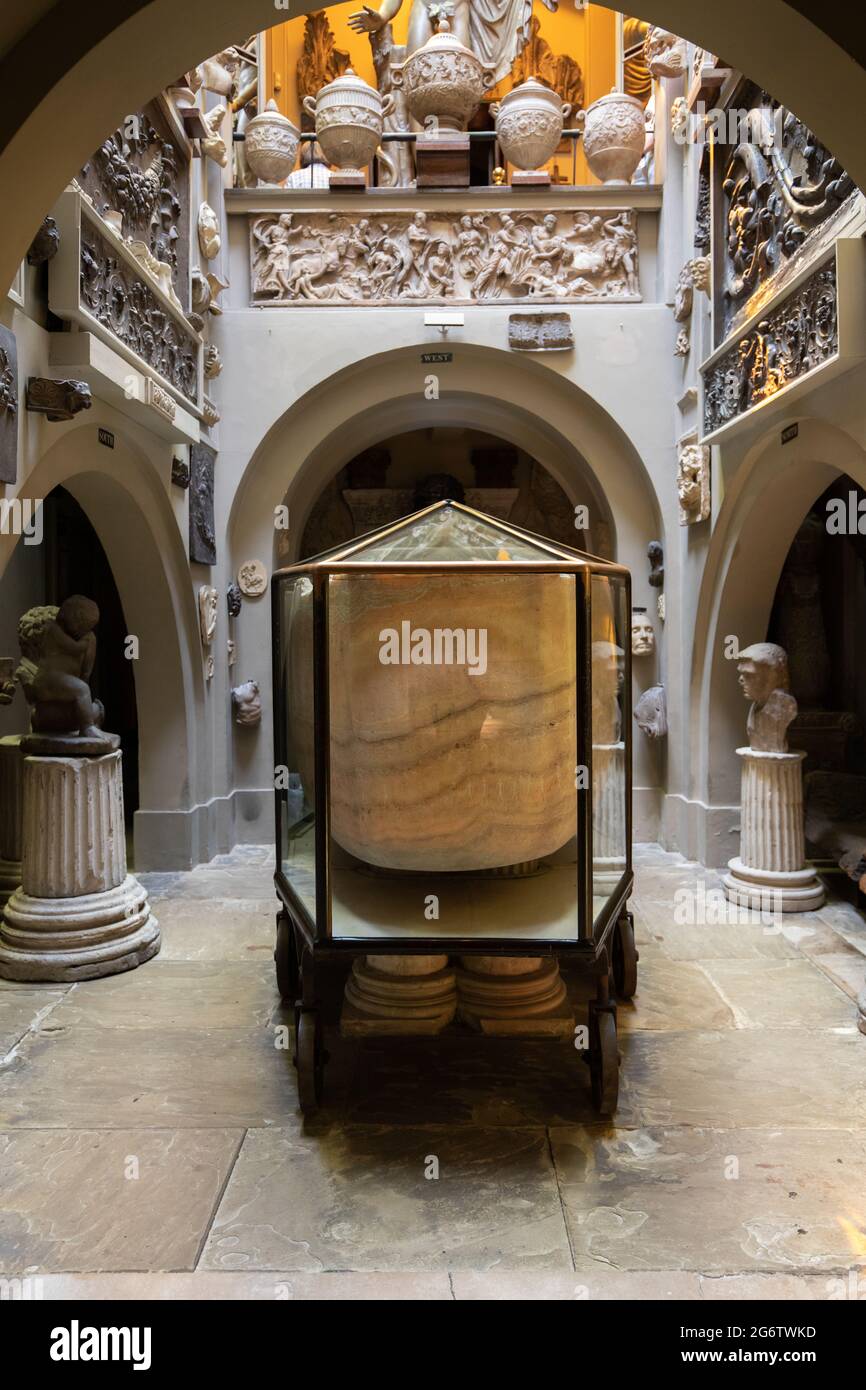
x=796 y=336
x=140 y=172
x=444 y=257
x=779 y=186
x=202 y=527
x=8 y=406
x=123 y=302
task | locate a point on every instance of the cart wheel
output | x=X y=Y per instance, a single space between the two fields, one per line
x=625 y=958
x=286 y=959
x=309 y=1060
x=604 y=1062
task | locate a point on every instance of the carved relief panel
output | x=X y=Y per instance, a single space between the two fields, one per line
x=141 y=172
x=779 y=185
x=444 y=257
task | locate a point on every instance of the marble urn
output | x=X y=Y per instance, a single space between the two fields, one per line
x=349 y=116
x=444 y=82
x=529 y=123
x=441 y=694
x=271 y=144
x=614 y=136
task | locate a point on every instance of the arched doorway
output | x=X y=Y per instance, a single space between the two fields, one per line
x=736 y=605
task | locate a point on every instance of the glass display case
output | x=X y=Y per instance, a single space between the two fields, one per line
x=452 y=725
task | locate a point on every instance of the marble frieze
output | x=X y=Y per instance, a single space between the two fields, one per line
x=444 y=257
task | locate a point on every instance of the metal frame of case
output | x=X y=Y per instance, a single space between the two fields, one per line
x=604 y=945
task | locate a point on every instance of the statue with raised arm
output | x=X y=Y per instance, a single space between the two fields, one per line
x=58 y=649
x=496 y=31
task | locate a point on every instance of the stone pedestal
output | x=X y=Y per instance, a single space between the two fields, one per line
x=387 y=995
x=608 y=815
x=770 y=871
x=11 y=812
x=514 y=996
x=78 y=914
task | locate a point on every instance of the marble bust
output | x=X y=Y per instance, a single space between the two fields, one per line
x=59 y=651
x=763 y=669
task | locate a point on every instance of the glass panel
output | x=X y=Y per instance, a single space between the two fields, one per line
x=452 y=534
x=297 y=796
x=610 y=662
x=453 y=728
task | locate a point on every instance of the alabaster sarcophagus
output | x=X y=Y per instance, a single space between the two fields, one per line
x=439 y=686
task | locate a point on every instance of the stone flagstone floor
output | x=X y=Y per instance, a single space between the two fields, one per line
x=151 y=1145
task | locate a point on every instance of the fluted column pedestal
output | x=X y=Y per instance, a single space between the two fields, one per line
x=393 y=995
x=608 y=815
x=514 y=996
x=11 y=811
x=770 y=871
x=78 y=914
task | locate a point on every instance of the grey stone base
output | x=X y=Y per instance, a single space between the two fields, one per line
x=166 y=840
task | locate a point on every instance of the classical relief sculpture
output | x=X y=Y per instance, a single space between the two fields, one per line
x=252 y=578
x=693 y=482
x=763 y=675
x=59 y=653
x=214 y=145
x=209 y=239
x=643 y=638
x=247 y=704
x=57 y=400
x=496 y=31
x=202 y=529
x=651 y=712
x=212 y=361
x=443 y=256
x=665 y=53
x=207 y=613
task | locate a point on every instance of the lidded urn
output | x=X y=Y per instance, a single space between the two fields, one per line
x=349 y=116
x=614 y=136
x=444 y=82
x=529 y=123
x=271 y=144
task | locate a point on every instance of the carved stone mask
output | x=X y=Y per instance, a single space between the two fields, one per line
x=643 y=638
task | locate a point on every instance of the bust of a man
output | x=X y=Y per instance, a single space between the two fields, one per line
x=763 y=670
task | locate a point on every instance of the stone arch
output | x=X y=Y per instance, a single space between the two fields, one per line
x=743 y=566
x=519 y=400
x=127 y=505
x=70 y=76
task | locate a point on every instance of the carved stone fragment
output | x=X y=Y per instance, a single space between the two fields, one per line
x=252 y=578
x=651 y=712
x=8 y=406
x=549 y=332
x=444 y=257
x=202 y=533
x=797 y=335
x=45 y=244
x=234 y=600
x=57 y=400
x=180 y=472
x=693 y=481
x=207 y=613
x=247 y=704
x=209 y=239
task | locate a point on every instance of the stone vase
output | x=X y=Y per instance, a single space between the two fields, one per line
x=78 y=914
x=529 y=123
x=614 y=136
x=444 y=82
x=271 y=144
x=349 y=116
